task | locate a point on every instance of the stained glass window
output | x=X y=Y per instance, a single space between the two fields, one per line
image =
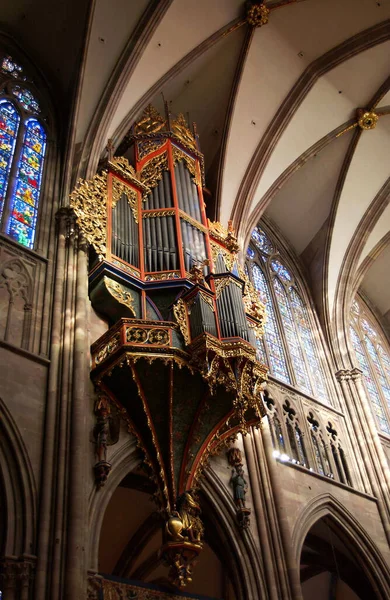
x=289 y=346
x=374 y=362
x=277 y=358
x=9 y=125
x=293 y=341
x=26 y=99
x=10 y=67
x=22 y=154
x=24 y=203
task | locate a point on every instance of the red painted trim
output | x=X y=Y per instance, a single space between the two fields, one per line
x=150 y=423
x=109 y=216
x=176 y=206
x=171 y=458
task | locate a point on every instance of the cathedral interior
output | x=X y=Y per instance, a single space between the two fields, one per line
x=195 y=300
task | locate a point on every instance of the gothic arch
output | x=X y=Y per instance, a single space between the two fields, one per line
x=247 y=571
x=123 y=461
x=359 y=542
x=18 y=487
x=245 y=562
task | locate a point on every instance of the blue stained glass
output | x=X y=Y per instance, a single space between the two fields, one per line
x=370 y=383
x=292 y=338
x=302 y=320
x=261 y=241
x=9 y=124
x=273 y=340
x=281 y=270
x=26 y=195
x=250 y=253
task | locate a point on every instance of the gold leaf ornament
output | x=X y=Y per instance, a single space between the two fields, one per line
x=89 y=202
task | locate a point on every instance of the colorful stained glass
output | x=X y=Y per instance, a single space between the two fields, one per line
x=368 y=329
x=261 y=241
x=250 y=253
x=9 y=124
x=292 y=337
x=10 y=67
x=302 y=321
x=26 y=99
x=281 y=270
x=272 y=337
x=371 y=386
x=25 y=198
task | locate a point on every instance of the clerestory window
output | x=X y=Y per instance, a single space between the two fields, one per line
x=22 y=154
x=289 y=346
x=374 y=360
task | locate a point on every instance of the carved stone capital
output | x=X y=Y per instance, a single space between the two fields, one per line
x=66 y=219
x=356 y=374
x=343 y=375
x=9 y=570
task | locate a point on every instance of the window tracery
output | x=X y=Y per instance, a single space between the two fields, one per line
x=374 y=361
x=288 y=346
x=23 y=141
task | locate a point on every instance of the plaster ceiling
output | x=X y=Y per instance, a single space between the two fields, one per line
x=372 y=284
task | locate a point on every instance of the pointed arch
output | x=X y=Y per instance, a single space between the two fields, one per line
x=293 y=344
x=19 y=490
x=364 y=551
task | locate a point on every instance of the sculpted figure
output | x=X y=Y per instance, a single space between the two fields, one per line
x=185 y=523
x=240 y=487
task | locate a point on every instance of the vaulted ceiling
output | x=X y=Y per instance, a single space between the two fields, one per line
x=271 y=105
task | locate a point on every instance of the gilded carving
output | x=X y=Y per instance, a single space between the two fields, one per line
x=147 y=146
x=89 y=202
x=158 y=213
x=108 y=349
x=180 y=312
x=181 y=130
x=155 y=336
x=152 y=171
x=257 y=15
x=119 y=188
x=220 y=285
x=120 y=293
x=150 y=122
x=192 y=221
x=163 y=276
x=190 y=163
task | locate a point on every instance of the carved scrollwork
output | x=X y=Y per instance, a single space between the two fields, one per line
x=141 y=335
x=108 y=349
x=119 y=188
x=89 y=202
x=178 y=155
x=180 y=312
x=152 y=171
x=181 y=130
x=120 y=293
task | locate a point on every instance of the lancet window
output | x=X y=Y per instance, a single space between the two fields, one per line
x=289 y=346
x=374 y=360
x=22 y=153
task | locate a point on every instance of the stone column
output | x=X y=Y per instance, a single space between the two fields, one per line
x=65 y=390
x=76 y=574
x=289 y=561
x=9 y=578
x=50 y=443
x=351 y=416
x=370 y=447
x=260 y=515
